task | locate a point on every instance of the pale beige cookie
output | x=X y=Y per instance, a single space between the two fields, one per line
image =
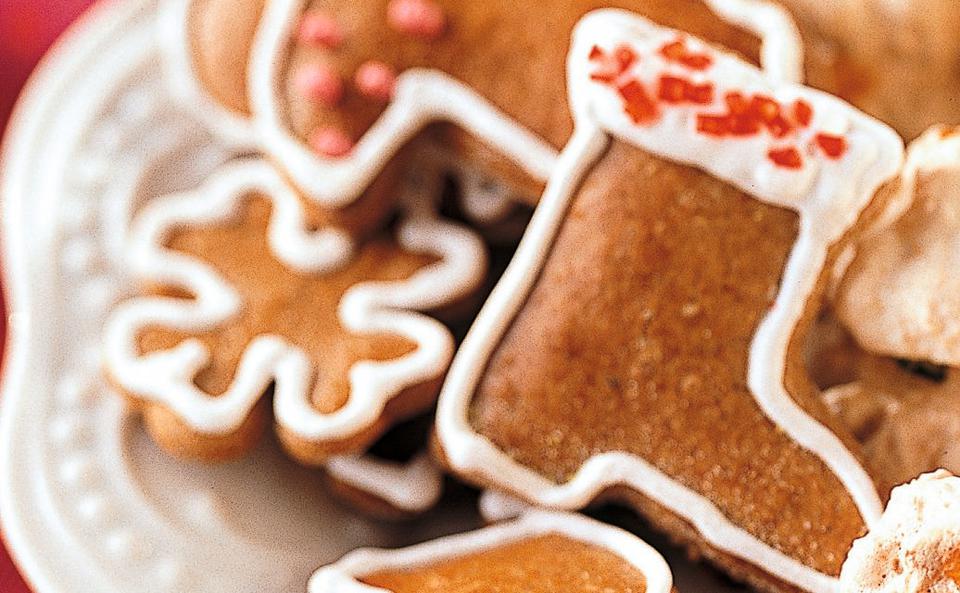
x=906 y=415
x=901 y=295
x=915 y=548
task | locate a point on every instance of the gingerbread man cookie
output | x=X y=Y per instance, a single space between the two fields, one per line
x=249 y=300
x=539 y=553
x=333 y=91
x=877 y=53
x=915 y=547
x=646 y=341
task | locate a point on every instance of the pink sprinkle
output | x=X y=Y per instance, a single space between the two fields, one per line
x=320 y=83
x=421 y=18
x=376 y=80
x=321 y=29
x=331 y=141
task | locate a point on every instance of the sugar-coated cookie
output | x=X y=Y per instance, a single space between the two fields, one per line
x=900 y=296
x=877 y=53
x=252 y=293
x=915 y=547
x=333 y=90
x=541 y=552
x=646 y=342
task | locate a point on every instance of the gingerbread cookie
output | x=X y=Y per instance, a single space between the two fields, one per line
x=646 y=341
x=539 y=553
x=335 y=90
x=915 y=547
x=875 y=53
x=249 y=300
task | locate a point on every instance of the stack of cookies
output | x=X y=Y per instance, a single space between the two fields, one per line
x=572 y=253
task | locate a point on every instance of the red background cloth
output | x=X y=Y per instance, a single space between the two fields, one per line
x=27 y=28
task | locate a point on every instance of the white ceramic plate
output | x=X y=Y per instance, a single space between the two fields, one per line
x=87 y=503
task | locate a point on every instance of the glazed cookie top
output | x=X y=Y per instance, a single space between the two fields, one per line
x=915 y=548
x=898 y=297
x=539 y=553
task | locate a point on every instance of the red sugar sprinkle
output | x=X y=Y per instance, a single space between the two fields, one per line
x=779 y=127
x=674 y=89
x=676 y=51
x=319 y=28
x=737 y=103
x=376 y=80
x=611 y=67
x=802 y=113
x=788 y=158
x=832 y=146
x=320 y=83
x=639 y=106
x=331 y=142
x=420 y=18
x=671 y=89
x=713 y=125
x=699 y=93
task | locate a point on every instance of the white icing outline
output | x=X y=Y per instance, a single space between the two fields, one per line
x=180 y=76
x=826 y=212
x=423 y=96
x=166 y=377
x=412 y=487
x=343 y=576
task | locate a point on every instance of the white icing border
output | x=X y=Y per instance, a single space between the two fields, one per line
x=781 y=49
x=166 y=377
x=343 y=576
x=827 y=212
x=179 y=74
x=413 y=487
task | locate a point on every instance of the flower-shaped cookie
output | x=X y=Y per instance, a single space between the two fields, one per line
x=249 y=301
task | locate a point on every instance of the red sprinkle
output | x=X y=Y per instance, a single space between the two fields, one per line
x=320 y=83
x=676 y=51
x=737 y=103
x=319 y=28
x=788 y=158
x=331 y=142
x=832 y=146
x=674 y=89
x=779 y=127
x=713 y=125
x=802 y=113
x=376 y=80
x=699 y=93
x=420 y=18
x=610 y=68
x=639 y=106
